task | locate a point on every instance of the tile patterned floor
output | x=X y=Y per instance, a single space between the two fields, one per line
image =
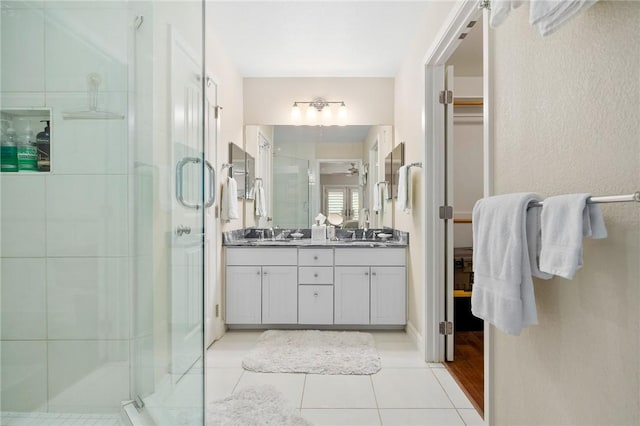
x=8 y=418
x=406 y=391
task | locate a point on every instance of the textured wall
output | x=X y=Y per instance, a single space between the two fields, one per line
x=567 y=119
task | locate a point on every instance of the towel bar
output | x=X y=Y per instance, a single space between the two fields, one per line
x=635 y=197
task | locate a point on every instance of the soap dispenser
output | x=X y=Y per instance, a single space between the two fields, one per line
x=43 y=145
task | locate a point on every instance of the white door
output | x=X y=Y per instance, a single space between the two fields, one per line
x=448 y=201
x=213 y=324
x=279 y=294
x=388 y=295
x=351 y=295
x=187 y=234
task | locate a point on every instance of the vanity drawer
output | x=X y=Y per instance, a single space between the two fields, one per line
x=315 y=304
x=316 y=257
x=261 y=256
x=371 y=256
x=315 y=275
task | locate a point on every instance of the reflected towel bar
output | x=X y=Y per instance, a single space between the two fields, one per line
x=635 y=197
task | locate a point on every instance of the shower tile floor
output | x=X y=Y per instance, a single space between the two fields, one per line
x=406 y=391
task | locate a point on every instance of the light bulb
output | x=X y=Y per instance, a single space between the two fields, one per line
x=312 y=113
x=326 y=113
x=295 y=112
x=342 y=113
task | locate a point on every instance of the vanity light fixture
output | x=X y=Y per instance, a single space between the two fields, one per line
x=318 y=106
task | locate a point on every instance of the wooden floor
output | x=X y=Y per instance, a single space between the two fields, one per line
x=468 y=365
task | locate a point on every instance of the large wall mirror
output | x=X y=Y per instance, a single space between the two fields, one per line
x=331 y=170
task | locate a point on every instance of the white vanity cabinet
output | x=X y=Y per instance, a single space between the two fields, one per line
x=306 y=286
x=261 y=285
x=370 y=286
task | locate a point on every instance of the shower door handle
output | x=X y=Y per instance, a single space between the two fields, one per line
x=180 y=181
x=212 y=184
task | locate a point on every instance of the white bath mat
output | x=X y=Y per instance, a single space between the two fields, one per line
x=313 y=351
x=254 y=405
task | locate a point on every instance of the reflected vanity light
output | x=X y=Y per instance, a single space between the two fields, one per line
x=318 y=107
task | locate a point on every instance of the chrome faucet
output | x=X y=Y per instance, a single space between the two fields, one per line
x=364 y=234
x=260 y=232
x=273 y=236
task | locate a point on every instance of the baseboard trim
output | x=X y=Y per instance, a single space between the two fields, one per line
x=416 y=337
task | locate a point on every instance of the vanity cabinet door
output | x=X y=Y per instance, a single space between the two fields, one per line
x=315 y=304
x=388 y=295
x=279 y=295
x=351 y=295
x=243 y=294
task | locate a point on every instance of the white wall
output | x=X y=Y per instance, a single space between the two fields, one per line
x=567 y=120
x=230 y=129
x=269 y=100
x=409 y=127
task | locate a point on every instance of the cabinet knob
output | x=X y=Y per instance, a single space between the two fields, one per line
x=366 y=273
x=264 y=273
x=373 y=273
x=315 y=275
x=258 y=273
x=315 y=257
x=315 y=294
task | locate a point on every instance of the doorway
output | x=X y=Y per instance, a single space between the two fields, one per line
x=466 y=362
x=457 y=150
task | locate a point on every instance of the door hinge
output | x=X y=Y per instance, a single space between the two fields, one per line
x=217 y=310
x=446 y=328
x=217 y=110
x=446 y=97
x=446 y=212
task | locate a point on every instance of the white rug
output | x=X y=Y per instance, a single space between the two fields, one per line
x=313 y=351
x=255 y=405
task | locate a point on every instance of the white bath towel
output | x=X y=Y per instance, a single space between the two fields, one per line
x=534 y=241
x=549 y=15
x=500 y=9
x=566 y=219
x=229 y=200
x=503 y=288
x=260 y=204
x=404 y=190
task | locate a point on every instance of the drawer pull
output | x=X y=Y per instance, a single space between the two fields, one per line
x=315 y=275
x=258 y=273
x=366 y=274
x=315 y=257
x=373 y=273
x=265 y=272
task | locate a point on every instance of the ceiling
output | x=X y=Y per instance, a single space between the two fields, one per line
x=299 y=38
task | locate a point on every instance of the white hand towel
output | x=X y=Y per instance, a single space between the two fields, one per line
x=503 y=289
x=260 y=204
x=404 y=190
x=377 y=203
x=566 y=219
x=549 y=15
x=534 y=242
x=500 y=9
x=229 y=201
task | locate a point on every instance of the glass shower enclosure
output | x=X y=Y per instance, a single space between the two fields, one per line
x=101 y=212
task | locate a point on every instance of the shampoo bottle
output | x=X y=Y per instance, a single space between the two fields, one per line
x=27 y=151
x=8 y=150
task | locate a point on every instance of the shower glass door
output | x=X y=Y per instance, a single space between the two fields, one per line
x=101 y=212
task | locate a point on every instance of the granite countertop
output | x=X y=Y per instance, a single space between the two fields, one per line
x=253 y=237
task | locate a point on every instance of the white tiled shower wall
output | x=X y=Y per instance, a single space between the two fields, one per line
x=65 y=234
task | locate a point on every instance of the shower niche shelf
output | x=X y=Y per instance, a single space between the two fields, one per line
x=25 y=140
